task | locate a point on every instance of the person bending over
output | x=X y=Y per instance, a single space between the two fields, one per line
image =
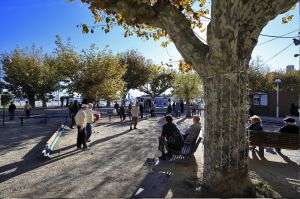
x=170 y=139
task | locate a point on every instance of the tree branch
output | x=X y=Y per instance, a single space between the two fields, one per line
x=255 y=16
x=133 y=11
x=162 y=15
x=179 y=29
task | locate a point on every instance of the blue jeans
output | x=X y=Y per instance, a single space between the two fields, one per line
x=89 y=129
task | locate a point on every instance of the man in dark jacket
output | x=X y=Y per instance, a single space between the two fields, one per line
x=74 y=109
x=170 y=138
x=289 y=127
x=11 y=110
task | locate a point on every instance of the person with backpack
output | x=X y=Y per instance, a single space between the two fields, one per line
x=170 y=139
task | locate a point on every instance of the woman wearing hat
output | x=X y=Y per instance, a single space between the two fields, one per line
x=255 y=126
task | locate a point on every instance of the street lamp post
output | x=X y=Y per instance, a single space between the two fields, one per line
x=277 y=82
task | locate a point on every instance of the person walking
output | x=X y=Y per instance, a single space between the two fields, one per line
x=11 y=109
x=27 y=108
x=81 y=122
x=135 y=115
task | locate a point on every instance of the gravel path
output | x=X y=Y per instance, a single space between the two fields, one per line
x=116 y=164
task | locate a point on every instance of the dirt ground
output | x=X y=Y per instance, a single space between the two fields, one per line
x=117 y=164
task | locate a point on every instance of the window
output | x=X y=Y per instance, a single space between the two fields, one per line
x=260 y=99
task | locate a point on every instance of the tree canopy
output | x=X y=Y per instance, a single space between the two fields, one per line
x=137 y=68
x=30 y=73
x=160 y=80
x=99 y=75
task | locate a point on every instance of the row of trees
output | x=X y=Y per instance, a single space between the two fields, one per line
x=262 y=79
x=93 y=73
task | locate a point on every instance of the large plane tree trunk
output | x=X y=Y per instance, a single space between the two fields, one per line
x=225 y=142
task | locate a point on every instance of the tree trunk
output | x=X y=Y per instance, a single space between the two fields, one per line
x=108 y=103
x=225 y=143
x=188 y=108
x=124 y=98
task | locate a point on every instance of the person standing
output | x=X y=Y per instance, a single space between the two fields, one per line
x=11 y=109
x=74 y=109
x=117 y=106
x=141 y=110
x=122 y=113
x=135 y=115
x=169 y=109
x=27 y=108
x=129 y=111
x=181 y=106
x=152 y=109
x=81 y=122
x=90 y=119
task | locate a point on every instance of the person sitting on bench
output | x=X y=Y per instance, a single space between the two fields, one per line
x=170 y=138
x=289 y=127
x=191 y=134
x=254 y=127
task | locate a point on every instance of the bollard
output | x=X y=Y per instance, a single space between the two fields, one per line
x=21 y=121
x=45 y=120
x=109 y=117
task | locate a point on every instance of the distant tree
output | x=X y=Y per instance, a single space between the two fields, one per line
x=261 y=79
x=99 y=75
x=6 y=98
x=290 y=81
x=187 y=86
x=30 y=73
x=137 y=70
x=159 y=81
x=258 y=75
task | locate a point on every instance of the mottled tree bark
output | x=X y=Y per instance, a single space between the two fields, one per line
x=225 y=142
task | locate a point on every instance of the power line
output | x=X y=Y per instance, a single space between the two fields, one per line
x=278 y=37
x=278 y=53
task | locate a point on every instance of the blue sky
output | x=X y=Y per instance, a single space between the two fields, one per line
x=24 y=22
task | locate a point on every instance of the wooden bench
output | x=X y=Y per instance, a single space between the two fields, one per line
x=42 y=117
x=50 y=144
x=274 y=140
x=189 y=149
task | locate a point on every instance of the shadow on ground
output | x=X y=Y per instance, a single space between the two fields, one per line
x=273 y=173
